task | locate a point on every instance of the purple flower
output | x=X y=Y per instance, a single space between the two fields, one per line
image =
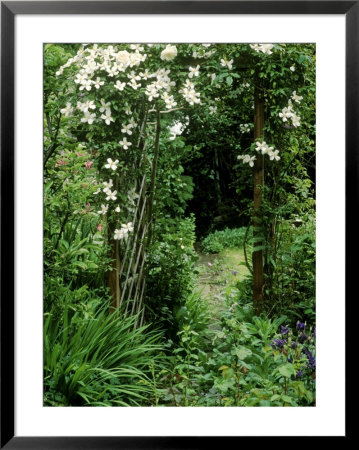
x=299 y=373
x=294 y=345
x=290 y=359
x=284 y=330
x=234 y=272
x=300 y=326
x=278 y=343
x=312 y=362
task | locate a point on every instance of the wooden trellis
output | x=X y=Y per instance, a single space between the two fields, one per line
x=128 y=278
x=131 y=274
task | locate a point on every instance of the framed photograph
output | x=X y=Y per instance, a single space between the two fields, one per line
x=177 y=185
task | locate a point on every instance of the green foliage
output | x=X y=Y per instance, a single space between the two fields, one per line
x=170 y=277
x=60 y=297
x=186 y=352
x=250 y=363
x=195 y=315
x=290 y=269
x=93 y=358
x=228 y=238
x=174 y=189
x=73 y=244
x=98 y=360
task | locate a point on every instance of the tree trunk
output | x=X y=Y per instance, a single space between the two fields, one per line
x=258 y=281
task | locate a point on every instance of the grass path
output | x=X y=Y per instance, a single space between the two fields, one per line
x=216 y=272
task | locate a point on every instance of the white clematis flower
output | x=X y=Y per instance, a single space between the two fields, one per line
x=193 y=72
x=111 y=195
x=107 y=117
x=111 y=164
x=124 y=143
x=127 y=129
x=104 y=209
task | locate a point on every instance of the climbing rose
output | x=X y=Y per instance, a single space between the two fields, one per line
x=169 y=53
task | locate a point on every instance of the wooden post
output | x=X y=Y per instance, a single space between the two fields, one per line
x=257 y=256
x=113 y=278
x=153 y=179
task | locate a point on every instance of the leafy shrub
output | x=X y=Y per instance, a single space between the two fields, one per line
x=98 y=361
x=254 y=361
x=170 y=275
x=290 y=274
x=82 y=301
x=194 y=314
x=227 y=238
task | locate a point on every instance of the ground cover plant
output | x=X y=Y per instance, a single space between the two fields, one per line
x=179 y=225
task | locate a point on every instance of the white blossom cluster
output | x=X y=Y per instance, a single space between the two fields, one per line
x=127 y=129
x=88 y=116
x=288 y=112
x=163 y=82
x=245 y=127
x=247 y=159
x=202 y=53
x=100 y=58
x=110 y=195
x=264 y=48
x=106 y=110
x=122 y=233
x=189 y=93
x=176 y=129
x=85 y=108
x=115 y=62
x=169 y=100
x=264 y=149
x=68 y=110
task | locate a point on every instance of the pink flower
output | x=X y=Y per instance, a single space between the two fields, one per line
x=210 y=264
x=99 y=227
x=88 y=164
x=60 y=162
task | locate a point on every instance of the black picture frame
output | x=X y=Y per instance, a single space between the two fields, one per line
x=9 y=9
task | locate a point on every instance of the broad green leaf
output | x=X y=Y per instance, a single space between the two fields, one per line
x=287 y=370
x=242 y=352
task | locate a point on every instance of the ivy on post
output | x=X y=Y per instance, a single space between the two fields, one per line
x=258 y=280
